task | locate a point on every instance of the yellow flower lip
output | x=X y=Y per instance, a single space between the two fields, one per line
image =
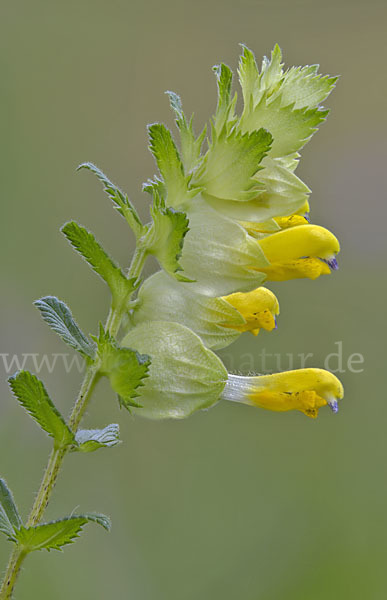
x=300 y=251
x=306 y=390
x=258 y=308
x=299 y=242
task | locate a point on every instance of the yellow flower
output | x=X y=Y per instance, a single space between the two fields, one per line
x=303 y=251
x=305 y=390
x=258 y=308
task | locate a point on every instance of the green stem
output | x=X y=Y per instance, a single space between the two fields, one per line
x=13 y=569
x=57 y=455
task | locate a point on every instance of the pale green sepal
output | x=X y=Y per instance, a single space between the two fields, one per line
x=89 y=440
x=219 y=254
x=119 y=198
x=161 y=298
x=9 y=515
x=184 y=375
x=283 y=194
x=85 y=243
x=230 y=164
x=190 y=144
x=169 y=230
x=32 y=395
x=56 y=534
x=58 y=316
x=125 y=368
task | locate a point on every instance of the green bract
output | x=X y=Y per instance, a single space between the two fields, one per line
x=184 y=376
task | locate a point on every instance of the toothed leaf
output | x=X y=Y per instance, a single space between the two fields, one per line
x=231 y=163
x=58 y=316
x=85 y=243
x=169 y=163
x=190 y=145
x=304 y=88
x=286 y=104
x=290 y=128
x=89 y=440
x=224 y=116
x=125 y=368
x=56 y=534
x=170 y=228
x=118 y=197
x=32 y=394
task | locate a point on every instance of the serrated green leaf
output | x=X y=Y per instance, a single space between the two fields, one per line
x=287 y=104
x=32 y=394
x=170 y=228
x=162 y=299
x=248 y=77
x=125 y=368
x=291 y=129
x=184 y=376
x=119 y=198
x=58 y=316
x=86 y=244
x=224 y=117
x=304 y=88
x=56 y=534
x=190 y=144
x=89 y=440
x=282 y=193
x=9 y=515
x=231 y=163
x=169 y=163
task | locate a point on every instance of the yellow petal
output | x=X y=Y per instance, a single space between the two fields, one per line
x=258 y=308
x=307 y=402
x=297 y=242
x=310 y=268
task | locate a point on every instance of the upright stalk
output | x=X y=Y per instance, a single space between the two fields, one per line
x=57 y=455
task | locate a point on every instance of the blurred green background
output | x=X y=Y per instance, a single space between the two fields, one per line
x=237 y=502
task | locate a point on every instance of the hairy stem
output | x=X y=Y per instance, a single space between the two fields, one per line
x=57 y=455
x=11 y=573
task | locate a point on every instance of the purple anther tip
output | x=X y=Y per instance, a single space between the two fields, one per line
x=332 y=263
x=307 y=217
x=333 y=405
